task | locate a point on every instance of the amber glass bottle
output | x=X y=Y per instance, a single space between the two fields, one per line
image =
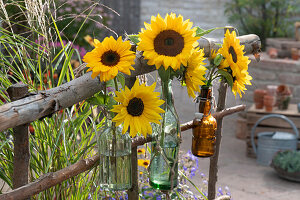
x=204 y=138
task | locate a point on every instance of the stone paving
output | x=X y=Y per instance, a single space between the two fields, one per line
x=245 y=179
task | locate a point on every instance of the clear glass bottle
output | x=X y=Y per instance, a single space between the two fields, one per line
x=164 y=165
x=204 y=138
x=115 y=159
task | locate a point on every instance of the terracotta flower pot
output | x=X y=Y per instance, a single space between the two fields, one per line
x=269 y=102
x=295 y=53
x=258 y=98
x=283 y=96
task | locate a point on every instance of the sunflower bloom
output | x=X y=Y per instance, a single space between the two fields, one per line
x=143 y=163
x=195 y=72
x=232 y=51
x=110 y=57
x=138 y=107
x=168 y=42
x=239 y=82
x=140 y=151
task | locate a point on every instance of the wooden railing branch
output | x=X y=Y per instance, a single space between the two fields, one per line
x=217 y=115
x=50 y=101
x=50 y=179
x=53 y=178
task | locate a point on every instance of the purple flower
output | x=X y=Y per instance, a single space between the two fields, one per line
x=220 y=191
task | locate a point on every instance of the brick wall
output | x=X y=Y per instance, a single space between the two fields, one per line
x=204 y=13
x=273 y=72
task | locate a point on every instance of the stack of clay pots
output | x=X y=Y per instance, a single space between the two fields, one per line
x=269 y=102
x=259 y=98
x=264 y=98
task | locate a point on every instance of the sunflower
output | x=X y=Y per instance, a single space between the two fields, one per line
x=140 y=151
x=239 y=82
x=110 y=57
x=143 y=163
x=168 y=41
x=138 y=107
x=232 y=51
x=195 y=71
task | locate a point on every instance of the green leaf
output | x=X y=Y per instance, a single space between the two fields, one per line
x=99 y=99
x=134 y=38
x=110 y=83
x=218 y=60
x=200 y=32
x=227 y=76
x=121 y=79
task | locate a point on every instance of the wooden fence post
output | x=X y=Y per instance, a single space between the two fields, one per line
x=213 y=166
x=133 y=192
x=21 y=141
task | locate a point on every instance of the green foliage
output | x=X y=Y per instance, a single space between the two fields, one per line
x=218 y=59
x=86 y=17
x=266 y=18
x=287 y=160
x=227 y=76
x=201 y=32
x=134 y=39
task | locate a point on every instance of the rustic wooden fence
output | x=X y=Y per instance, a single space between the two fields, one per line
x=26 y=108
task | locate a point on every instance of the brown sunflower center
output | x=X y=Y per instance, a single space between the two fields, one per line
x=233 y=54
x=168 y=43
x=135 y=107
x=110 y=58
x=145 y=163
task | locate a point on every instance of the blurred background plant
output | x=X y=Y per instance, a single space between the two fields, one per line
x=266 y=18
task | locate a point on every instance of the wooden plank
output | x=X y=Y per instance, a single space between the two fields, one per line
x=291 y=111
x=283 y=43
x=252 y=118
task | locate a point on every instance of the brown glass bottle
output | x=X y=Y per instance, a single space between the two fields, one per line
x=204 y=138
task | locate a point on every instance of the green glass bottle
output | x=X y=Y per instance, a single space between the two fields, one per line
x=115 y=159
x=164 y=165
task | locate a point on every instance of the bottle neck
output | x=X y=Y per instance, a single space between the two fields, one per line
x=205 y=101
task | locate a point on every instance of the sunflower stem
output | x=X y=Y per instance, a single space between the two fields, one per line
x=116 y=84
x=211 y=73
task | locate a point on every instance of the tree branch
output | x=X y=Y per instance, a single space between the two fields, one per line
x=50 y=179
x=213 y=167
x=217 y=115
x=50 y=101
